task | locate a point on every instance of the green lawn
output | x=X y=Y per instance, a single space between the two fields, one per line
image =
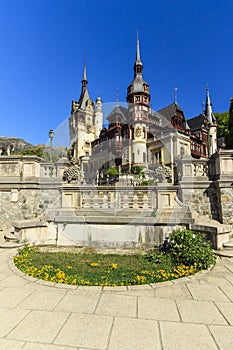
x=99 y=269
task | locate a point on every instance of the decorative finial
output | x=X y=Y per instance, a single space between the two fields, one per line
x=117 y=97
x=175 y=94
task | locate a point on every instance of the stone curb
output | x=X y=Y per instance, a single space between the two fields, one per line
x=106 y=288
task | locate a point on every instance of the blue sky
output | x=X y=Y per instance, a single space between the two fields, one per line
x=183 y=43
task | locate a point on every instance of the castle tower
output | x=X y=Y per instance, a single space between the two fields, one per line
x=212 y=124
x=98 y=119
x=81 y=122
x=138 y=98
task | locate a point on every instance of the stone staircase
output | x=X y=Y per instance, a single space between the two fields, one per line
x=9 y=240
x=227 y=250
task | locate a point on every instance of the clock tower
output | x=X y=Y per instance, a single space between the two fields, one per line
x=138 y=98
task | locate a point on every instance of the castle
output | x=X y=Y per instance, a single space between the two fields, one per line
x=184 y=179
x=136 y=135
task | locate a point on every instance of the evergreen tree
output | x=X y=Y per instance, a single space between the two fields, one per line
x=229 y=138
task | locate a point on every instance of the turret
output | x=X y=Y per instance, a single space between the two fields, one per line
x=212 y=124
x=98 y=119
x=138 y=90
x=138 y=98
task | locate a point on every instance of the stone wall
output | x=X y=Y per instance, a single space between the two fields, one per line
x=32 y=189
x=20 y=204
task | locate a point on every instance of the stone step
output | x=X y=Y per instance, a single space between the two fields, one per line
x=11 y=245
x=228 y=245
x=226 y=253
x=9 y=237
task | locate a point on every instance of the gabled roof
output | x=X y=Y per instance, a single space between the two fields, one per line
x=196 y=122
x=169 y=111
x=120 y=111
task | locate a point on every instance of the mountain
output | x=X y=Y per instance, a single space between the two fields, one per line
x=20 y=146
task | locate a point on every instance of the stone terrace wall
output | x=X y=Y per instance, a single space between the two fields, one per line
x=30 y=188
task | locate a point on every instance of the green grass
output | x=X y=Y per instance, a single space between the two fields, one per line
x=99 y=269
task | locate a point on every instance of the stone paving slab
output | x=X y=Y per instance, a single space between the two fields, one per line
x=205 y=312
x=42 y=300
x=39 y=326
x=6 y=344
x=39 y=346
x=229 y=277
x=207 y=292
x=157 y=309
x=186 y=336
x=223 y=336
x=11 y=297
x=216 y=280
x=227 y=311
x=175 y=291
x=83 y=330
x=117 y=305
x=9 y=318
x=228 y=291
x=78 y=301
x=134 y=334
x=12 y=281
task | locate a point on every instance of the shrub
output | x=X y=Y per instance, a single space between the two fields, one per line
x=191 y=249
x=112 y=171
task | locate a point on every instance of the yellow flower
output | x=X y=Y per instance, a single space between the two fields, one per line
x=69 y=267
x=114 y=266
x=94 y=264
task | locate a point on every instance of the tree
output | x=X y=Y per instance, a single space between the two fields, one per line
x=229 y=137
x=36 y=151
x=222 y=119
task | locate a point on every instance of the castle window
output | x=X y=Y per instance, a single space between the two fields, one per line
x=133 y=158
x=87 y=144
x=158 y=157
x=88 y=129
x=144 y=157
x=137 y=98
x=82 y=118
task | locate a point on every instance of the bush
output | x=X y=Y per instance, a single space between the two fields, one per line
x=191 y=249
x=112 y=171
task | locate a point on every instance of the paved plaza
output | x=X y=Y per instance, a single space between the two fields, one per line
x=190 y=313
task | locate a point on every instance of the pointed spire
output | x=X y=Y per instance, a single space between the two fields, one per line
x=208 y=108
x=84 y=72
x=138 y=59
x=84 y=80
x=138 y=63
